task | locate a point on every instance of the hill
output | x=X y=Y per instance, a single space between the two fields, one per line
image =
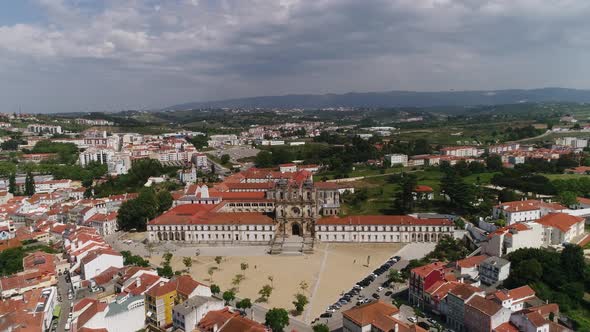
x=398 y=99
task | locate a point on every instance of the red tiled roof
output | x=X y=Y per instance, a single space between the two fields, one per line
x=423 y=189
x=528 y=205
x=464 y=291
x=184 y=285
x=506 y=327
x=367 y=313
x=382 y=220
x=242 y=324
x=201 y=214
x=521 y=293
x=216 y=318
x=471 y=261
x=487 y=307
x=561 y=221
x=424 y=271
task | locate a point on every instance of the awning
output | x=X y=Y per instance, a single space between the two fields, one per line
x=56 y=311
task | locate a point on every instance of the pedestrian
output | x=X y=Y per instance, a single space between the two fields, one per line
x=354 y=262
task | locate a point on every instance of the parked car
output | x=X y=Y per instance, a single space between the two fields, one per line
x=412 y=319
x=326 y=315
x=376 y=296
x=388 y=293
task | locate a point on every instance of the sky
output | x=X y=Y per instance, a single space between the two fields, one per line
x=111 y=55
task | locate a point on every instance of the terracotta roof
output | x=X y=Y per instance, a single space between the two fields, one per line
x=561 y=221
x=520 y=293
x=584 y=200
x=536 y=319
x=242 y=324
x=96 y=253
x=506 y=327
x=216 y=318
x=464 y=291
x=106 y=275
x=382 y=220
x=184 y=285
x=201 y=214
x=488 y=307
x=528 y=205
x=423 y=189
x=424 y=271
x=441 y=289
x=367 y=313
x=471 y=261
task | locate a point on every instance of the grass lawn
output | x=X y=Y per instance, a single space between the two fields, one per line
x=582 y=317
x=564 y=176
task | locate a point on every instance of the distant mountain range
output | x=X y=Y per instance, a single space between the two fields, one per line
x=398 y=99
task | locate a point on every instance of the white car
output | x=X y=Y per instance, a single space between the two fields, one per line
x=379 y=289
x=412 y=319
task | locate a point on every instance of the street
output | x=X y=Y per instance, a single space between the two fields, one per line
x=62 y=289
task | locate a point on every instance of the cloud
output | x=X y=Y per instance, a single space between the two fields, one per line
x=209 y=49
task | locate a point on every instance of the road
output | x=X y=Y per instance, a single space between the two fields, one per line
x=258 y=314
x=335 y=322
x=62 y=290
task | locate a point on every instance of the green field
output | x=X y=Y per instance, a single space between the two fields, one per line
x=564 y=176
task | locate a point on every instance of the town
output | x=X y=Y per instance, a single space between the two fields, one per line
x=295 y=226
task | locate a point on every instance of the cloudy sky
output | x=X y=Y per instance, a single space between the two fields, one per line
x=88 y=55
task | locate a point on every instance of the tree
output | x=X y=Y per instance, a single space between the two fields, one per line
x=395 y=276
x=567 y=198
x=277 y=319
x=572 y=261
x=228 y=296
x=135 y=213
x=225 y=159
x=244 y=304
x=303 y=285
x=321 y=328
x=165 y=271
x=244 y=266
x=263 y=159
x=167 y=257
x=29 y=185
x=210 y=272
x=494 y=162
x=188 y=262
x=238 y=278
x=12 y=184
x=404 y=198
x=218 y=259
x=215 y=289
x=300 y=302
x=165 y=200
x=265 y=292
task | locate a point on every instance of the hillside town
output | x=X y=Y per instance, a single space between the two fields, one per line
x=119 y=231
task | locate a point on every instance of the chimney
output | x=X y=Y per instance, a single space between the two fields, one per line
x=396 y=327
x=137 y=281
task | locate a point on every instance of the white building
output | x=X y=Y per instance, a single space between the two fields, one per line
x=194 y=223
x=382 y=229
x=94 y=154
x=561 y=228
x=44 y=129
x=105 y=224
x=461 y=151
x=397 y=159
x=220 y=140
x=200 y=160
x=186 y=315
x=98 y=261
x=574 y=142
x=288 y=168
x=52 y=185
x=513 y=237
x=494 y=269
x=528 y=210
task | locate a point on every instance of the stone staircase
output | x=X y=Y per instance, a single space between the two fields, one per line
x=292 y=245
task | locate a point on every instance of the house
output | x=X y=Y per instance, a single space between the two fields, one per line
x=527 y=210
x=435 y=297
x=186 y=315
x=422 y=278
x=105 y=224
x=493 y=270
x=456 y=299
x=161 y=299
x=470 y=266
x=578 y=170
x=397 y=159
x=484 y=315
x=461 y=151
x=537 y=319
x=31 y=311
x=375 y=316
x=561 y=228
x=225 y=320
x=98 y=261
x=513 y=237
x=422 y=192
x=287 y=168
x=513 y=299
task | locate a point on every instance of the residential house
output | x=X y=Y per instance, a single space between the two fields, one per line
x=456 y=299
x=186 y=315
x=483 y=315
x=493 y=270
x=375 y=316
